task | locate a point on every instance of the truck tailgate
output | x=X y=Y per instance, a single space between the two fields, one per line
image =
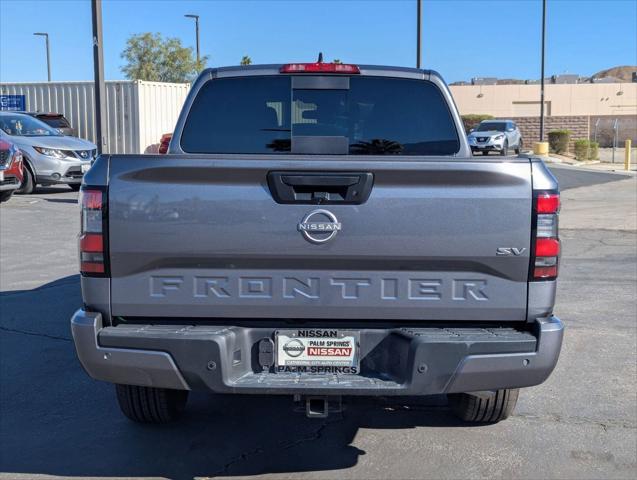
x=203 y=237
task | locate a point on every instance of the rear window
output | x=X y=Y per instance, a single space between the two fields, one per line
x=375 y=116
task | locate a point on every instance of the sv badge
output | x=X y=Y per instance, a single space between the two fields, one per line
x=508 y=251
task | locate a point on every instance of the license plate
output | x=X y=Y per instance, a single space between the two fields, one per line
x=1 y=176
x=85 y=168
x=317 y=351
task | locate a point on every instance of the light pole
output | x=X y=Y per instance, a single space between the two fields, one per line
x=418 y=30
x=542 y=72
x=48 y=54
x=196 y=17
x=98 y=76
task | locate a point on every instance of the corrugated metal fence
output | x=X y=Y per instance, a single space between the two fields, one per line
x=137 y=112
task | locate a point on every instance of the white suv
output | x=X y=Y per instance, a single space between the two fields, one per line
x=496 y=136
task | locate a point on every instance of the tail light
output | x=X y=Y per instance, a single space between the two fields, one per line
x=320 y=67
x=93 y=251
x=8 y=154
x=545 y=243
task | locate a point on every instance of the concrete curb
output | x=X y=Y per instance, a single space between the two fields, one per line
x=624 y=173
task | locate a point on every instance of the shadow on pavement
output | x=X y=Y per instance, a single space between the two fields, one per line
x=49 y=190
x=57 y=421
x=61 y=200
x=574 y=177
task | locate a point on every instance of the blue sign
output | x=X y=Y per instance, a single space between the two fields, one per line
x=13 y=103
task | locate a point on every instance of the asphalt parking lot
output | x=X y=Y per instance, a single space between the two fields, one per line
x=582 y=423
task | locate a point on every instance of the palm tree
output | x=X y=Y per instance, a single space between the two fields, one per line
x=377 y=146
x=246 y=60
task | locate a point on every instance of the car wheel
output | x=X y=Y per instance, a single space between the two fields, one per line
x=484 y=407
x=4 y=196
x=505 y=149
x=75 y=186
x=28 y=183
x=150 y=405
x=520 y=146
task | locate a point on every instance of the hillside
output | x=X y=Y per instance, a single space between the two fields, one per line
x=625 y=73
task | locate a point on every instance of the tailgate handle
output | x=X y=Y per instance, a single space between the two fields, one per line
x=319 y=181
x=322 y=188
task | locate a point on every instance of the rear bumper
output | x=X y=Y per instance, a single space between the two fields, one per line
x=403 y=361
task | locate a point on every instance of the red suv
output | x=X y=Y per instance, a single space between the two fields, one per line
x=10 y=169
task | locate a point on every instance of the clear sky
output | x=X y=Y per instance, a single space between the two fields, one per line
x=461 y=38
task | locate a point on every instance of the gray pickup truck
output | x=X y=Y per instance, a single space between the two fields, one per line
x=318 y=231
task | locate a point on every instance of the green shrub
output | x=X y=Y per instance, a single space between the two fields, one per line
x=558 y=140
x=472 y=120
x=593 y=151
x=582 y=147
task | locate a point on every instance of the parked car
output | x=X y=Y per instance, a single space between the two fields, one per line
x=318 y=230
x=496 y=136
x=10 y=169
x=55 y=120
x=49 y=156
x=164 y=143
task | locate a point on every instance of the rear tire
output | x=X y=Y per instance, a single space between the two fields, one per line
x=75 y=186
x=4 y=196
x=150 y=405
x=28 y=182
x=484 y=407
x=520 y=146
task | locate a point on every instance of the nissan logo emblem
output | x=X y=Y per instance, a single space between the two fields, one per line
x=319 y=226
x=294 y=348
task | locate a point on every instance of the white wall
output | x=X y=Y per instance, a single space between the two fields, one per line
x=560 y=99
x=137 y=112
